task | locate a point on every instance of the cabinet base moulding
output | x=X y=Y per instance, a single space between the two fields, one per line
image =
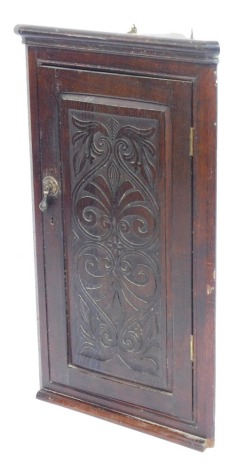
x=163 y=432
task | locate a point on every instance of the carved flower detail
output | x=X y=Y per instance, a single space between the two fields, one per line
x=114 y=210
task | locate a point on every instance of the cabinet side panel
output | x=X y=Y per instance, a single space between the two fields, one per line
x=205 y=125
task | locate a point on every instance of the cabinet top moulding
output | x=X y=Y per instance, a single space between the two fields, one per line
x=159 y=47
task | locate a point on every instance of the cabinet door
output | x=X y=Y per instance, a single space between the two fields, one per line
x=118 y=240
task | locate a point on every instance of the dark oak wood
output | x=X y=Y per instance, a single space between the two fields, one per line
x=126 y=251
x=164 y=432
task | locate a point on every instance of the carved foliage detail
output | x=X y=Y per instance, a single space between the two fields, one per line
x=115 y=214
x=130 y=144
x=108 y=207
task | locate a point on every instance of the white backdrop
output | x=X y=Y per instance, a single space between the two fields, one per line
x=35 y=435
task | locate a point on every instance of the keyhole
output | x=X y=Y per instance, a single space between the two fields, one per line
x=52 y=221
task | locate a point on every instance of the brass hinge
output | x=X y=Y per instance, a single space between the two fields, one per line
x=191 y=141
x=191 y=348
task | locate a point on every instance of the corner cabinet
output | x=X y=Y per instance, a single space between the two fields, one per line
x=123 y=149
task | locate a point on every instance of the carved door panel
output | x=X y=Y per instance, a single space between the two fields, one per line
x=118 y=239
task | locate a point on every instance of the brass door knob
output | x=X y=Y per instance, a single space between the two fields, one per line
x=50 y=189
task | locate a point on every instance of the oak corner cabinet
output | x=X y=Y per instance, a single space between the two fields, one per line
x=124 y=164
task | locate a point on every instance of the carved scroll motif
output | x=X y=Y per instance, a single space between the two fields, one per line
x=115 y=212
